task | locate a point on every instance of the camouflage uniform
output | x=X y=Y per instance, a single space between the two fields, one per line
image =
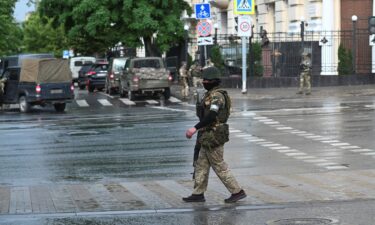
x=184 y=81
x=305 y=75
x=2 y=85
x=196 y=74
x=213 y=100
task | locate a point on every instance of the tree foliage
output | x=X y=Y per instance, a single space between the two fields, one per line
x=95 y=25
x=345 y=66
x=41 y=37
x=10 y=32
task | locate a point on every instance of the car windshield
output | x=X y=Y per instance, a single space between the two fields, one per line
x=149 y=63
x=118 y=64
x=100 y=67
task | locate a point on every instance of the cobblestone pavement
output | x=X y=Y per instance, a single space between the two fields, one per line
x=165 y=195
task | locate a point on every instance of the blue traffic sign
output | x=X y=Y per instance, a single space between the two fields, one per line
x=202 y=11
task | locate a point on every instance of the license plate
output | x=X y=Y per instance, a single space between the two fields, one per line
x=56 y=91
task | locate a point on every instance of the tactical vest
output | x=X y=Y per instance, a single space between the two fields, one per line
x=223 y=113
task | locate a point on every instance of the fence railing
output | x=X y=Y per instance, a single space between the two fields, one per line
x=282 y=55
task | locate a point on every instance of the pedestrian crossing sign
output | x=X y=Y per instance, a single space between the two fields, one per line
x=244 y=6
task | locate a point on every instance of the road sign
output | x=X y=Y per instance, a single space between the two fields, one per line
x=244 y=26
x=66 y=54
x=205 y=41
x=202 y=11
x=244 y=6
x=204 y=28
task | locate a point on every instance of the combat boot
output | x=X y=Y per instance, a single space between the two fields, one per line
x=235 y=197
x=194 y=198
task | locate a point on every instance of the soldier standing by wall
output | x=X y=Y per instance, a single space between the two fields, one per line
x=214 y=132
x=305 y=76
x=184 y=80
x=195 y=72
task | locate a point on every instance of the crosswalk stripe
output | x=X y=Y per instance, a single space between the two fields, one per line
x=82 y=103
x=127 y=101
x=147 y=196
x=174 y=100
x=152 y=102
x=104 y=102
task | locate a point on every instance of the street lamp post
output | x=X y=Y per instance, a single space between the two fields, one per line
x=354 y=39
x=302 y=33
x=186 y=28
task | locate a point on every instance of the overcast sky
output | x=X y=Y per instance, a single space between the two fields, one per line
x=21 y=10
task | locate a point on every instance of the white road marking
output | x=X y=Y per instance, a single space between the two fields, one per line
x=82 y=103
x=174 y=100
x=104 y=102
x=152 y=102
x=126 y=101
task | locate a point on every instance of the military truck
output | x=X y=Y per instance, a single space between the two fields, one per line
x=38 y=81
x=145 y=76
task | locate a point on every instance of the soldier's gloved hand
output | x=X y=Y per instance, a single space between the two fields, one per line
x=190 y=132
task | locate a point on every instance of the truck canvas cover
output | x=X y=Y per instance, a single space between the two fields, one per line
x=45 y=71
x=149 y=69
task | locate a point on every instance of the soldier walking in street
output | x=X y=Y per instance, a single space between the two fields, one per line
x=214 y=133
x=195 y=72
x=305 y=76
x=184 y=80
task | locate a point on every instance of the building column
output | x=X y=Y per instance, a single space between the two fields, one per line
x=329 y=54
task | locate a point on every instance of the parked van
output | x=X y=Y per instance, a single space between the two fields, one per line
x=76 y=64
x=34 y=79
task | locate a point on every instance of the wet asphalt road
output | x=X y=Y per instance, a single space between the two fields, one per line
x=109 y=140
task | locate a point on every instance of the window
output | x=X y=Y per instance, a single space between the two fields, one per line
x=78 y=63
x=13 y=74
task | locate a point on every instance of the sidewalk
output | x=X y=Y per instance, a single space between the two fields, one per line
x=290 y=93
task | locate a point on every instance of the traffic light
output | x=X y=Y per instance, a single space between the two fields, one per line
x=371 y=25
x=236 y=23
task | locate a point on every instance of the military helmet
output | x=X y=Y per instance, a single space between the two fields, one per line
x=211 y=73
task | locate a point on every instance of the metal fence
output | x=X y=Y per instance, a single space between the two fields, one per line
x=282 y=56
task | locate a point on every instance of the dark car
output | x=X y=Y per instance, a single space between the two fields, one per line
x=37 y=81
x=82 y=79
x=116 y=66
x=96 y=76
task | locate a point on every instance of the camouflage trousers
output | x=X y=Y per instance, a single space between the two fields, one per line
x=184 y=87
x=304 y=82
x=213 y=158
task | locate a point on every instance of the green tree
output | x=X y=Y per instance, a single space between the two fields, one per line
x=10 y=32
x=216 y=57
x=345 y=66
x=95 y=25
x=41 y=37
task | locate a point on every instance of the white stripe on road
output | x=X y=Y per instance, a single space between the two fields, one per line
x=174 y=100
x=82 y=103
x=152 y=102
x=127 y=101
x=104 y=102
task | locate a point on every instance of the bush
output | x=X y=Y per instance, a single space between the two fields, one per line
x=345 y=66
x=216 y=57
x=257 y=53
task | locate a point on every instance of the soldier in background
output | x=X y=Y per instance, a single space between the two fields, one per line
x=213 y=112
x=305 y=76
x=184 y=80
x=2 y=85
x=195 y=72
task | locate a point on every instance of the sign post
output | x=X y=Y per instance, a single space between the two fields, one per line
x=244 y=8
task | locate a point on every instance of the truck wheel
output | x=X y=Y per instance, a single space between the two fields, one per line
x=59 y=107
x=24 y=105
x=167 y=93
